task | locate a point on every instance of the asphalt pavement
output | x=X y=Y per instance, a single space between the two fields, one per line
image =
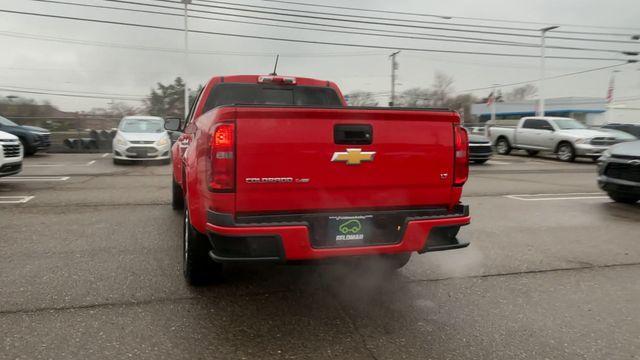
x=91 y=269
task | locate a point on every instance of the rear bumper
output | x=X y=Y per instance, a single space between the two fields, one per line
x=480 y=156
x=291 y=241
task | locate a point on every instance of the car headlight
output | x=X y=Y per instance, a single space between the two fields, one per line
x=121 y=141
x=583 y=141
x=162 y=142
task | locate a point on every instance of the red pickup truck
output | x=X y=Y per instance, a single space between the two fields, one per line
x=276 y=168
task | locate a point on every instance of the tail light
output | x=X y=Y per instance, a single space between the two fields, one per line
x=288 y=80
x=222 y=157
x=461 y=159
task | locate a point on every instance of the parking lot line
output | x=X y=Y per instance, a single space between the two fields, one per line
x=105 y=155
x=34 y=178
x=15 y=199
x=496 y=162
x=550 y=197
x=61 y=164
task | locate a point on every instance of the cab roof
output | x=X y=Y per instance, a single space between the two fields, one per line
x=253 y=79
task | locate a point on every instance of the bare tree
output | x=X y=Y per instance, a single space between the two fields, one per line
x=462 y=104
x=415 y=97
x=441 y=89
x=361 y=98
x=122 y=109
x=521 y=93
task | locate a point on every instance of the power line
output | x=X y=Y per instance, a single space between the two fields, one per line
x=384 y=93
x=157 y=27
x=386 y=24
x=67 y=95
x=175 y=50
x=444 y=37
x=364 y=17
x=497 y=41
x=411 y=20
x=71 y=91
x=546 y=78
x=452 y=16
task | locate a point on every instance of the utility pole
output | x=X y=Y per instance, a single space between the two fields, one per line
x=542 y=69
x=186 y=57
x=394 y=67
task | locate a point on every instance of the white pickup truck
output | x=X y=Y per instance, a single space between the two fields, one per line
x=11 y=153
x=566 y=137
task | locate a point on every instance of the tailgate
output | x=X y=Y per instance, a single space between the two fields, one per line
x=288 y=159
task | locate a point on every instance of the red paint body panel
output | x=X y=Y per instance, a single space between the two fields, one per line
x=412 y=168
x=413 y=149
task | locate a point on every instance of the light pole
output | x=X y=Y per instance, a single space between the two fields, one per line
x=186 y=57
x=542 y=75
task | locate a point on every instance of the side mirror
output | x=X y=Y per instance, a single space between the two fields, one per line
x=173 y=124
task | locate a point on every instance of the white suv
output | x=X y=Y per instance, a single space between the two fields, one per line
x=11 y=153
x=141 y=138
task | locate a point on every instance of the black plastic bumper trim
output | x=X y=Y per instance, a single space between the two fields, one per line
x=227 y=220
x=458 y=244
x=221 y=259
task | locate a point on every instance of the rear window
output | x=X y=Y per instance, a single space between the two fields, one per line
x=239 y=94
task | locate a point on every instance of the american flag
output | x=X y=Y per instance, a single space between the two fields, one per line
x=610 y=90
x=490 y=99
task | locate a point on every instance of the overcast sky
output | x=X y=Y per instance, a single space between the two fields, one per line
x=29 y=61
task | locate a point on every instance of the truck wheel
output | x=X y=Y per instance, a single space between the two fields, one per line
x=532 y=152
x=566 y=152
x=198 y=268
x=503 y=147
x=622 y=198
x=396 y=261
x=177 y=196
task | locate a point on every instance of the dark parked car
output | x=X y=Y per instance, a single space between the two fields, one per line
x=480 y=149
x=33 y=138
x=619 y=172
x=632 y=129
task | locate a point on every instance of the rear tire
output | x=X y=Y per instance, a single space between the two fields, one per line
x=177 y=195
x=623 y=198
x=503 y=147
x=532 y=152
x=566 y=152
x=197 y=267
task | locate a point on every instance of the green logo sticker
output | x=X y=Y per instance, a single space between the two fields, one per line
x=351 y=226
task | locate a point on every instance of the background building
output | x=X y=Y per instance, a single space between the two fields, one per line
x=588 y=110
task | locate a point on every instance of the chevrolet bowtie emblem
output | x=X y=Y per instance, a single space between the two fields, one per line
x=353 y=156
